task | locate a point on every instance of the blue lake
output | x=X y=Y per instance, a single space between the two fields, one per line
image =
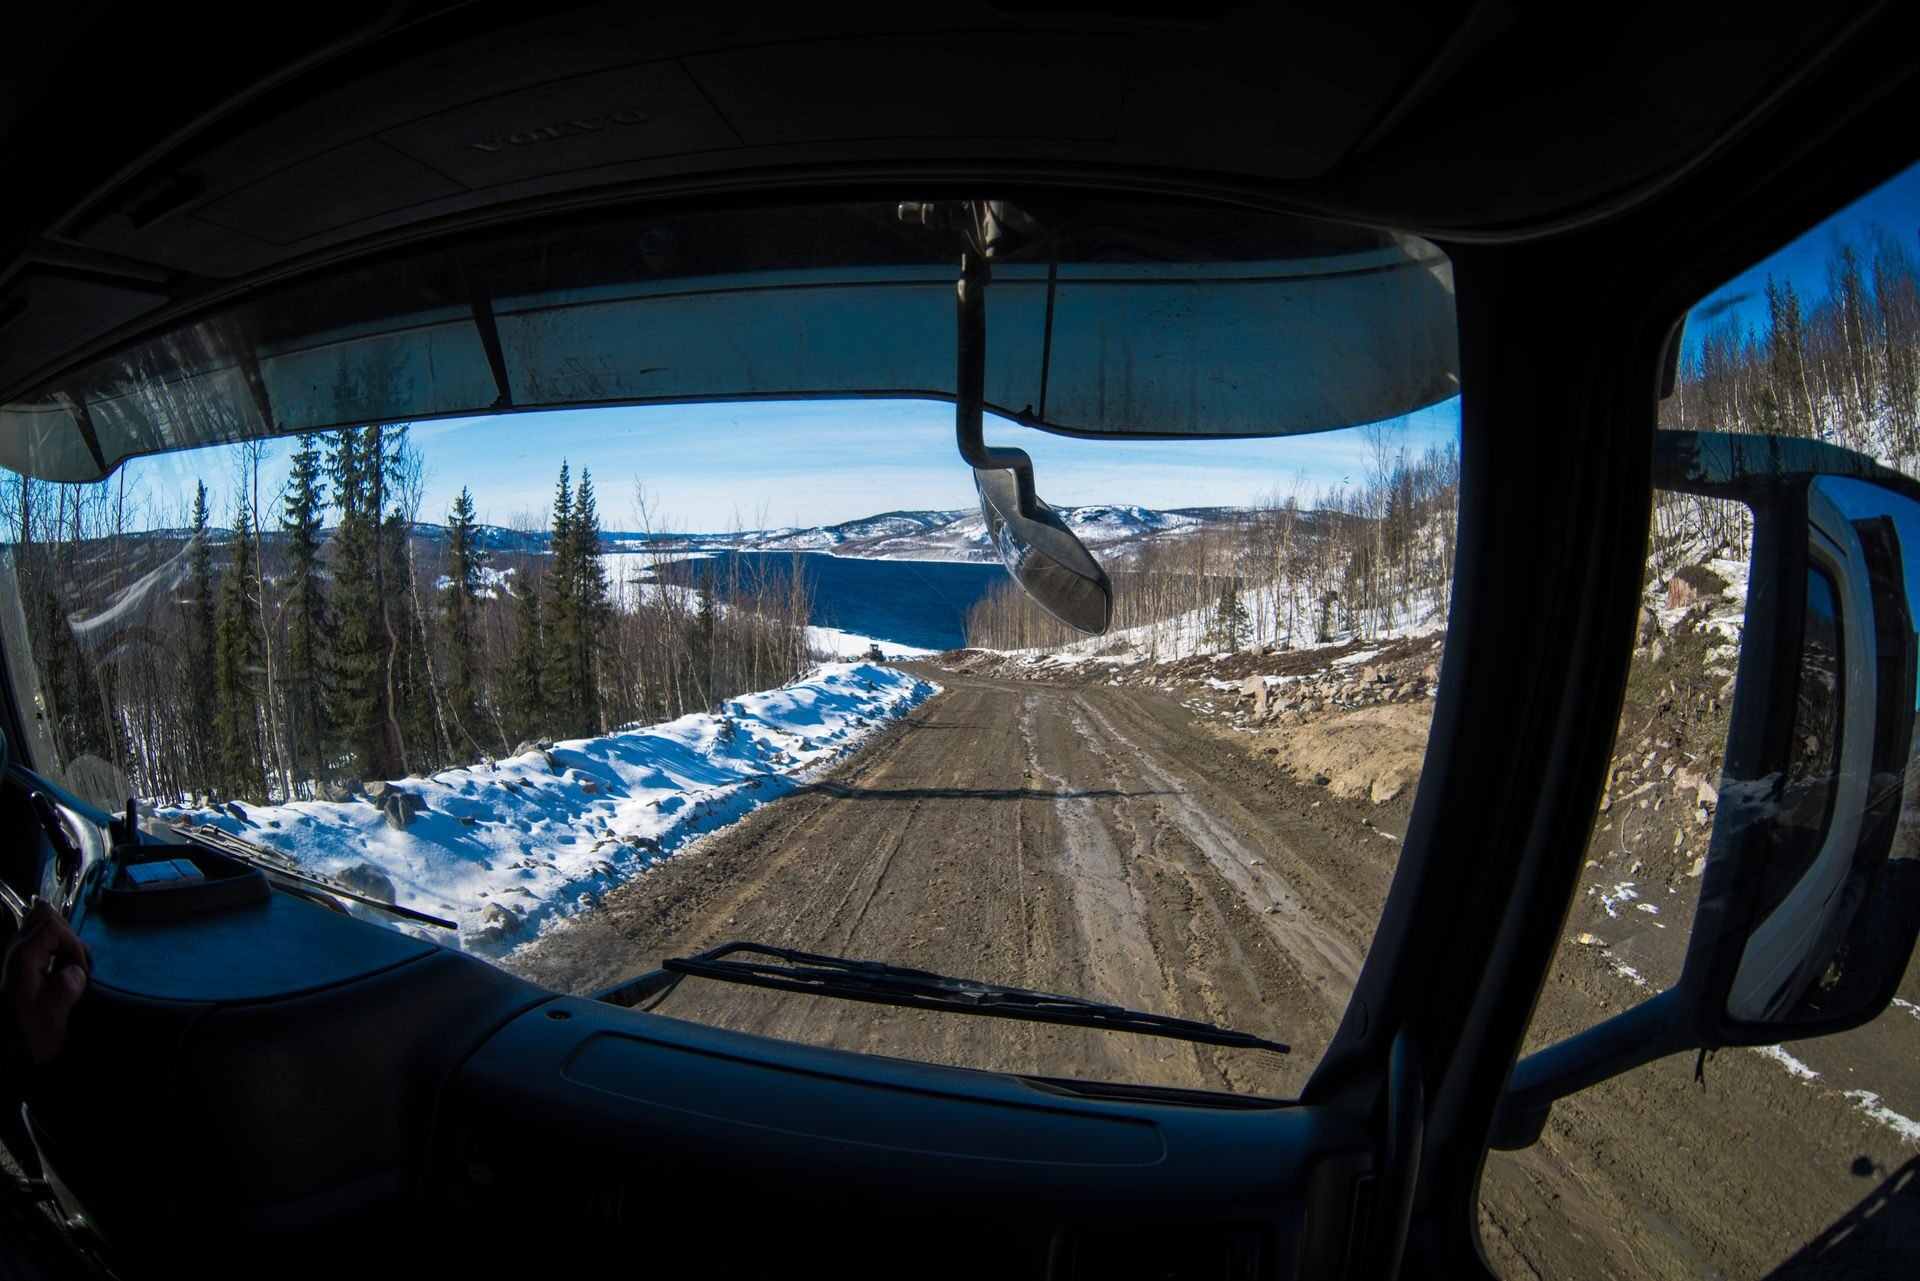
x=908 y=602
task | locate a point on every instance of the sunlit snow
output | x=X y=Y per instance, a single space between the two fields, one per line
x=506 y=848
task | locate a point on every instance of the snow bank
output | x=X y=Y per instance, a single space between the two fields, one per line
x=509 y=848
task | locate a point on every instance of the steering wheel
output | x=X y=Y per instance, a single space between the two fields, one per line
x=60 y=877
x=8 y=896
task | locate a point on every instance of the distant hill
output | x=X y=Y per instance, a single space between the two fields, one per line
x=959 y=535
x=1116 y=531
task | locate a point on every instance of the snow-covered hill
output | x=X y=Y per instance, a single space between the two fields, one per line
x=1116 y=530
x=961 y=535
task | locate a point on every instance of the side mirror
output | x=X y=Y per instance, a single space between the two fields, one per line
x=1810 y=897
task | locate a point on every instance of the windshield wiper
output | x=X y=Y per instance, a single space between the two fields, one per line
x=883 y=984
x=277 y=865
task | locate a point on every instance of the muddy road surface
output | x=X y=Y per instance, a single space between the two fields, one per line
x=1099 y=841
x=1079 y=840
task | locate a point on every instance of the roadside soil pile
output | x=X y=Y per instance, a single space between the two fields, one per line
x=1351 y=718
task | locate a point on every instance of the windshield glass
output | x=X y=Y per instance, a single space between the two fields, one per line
x=605 y=687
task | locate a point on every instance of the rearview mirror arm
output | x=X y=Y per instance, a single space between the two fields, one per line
x=1635 y=1037
x=970 y=386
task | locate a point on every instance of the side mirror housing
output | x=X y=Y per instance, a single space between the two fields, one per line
x=1810 y=897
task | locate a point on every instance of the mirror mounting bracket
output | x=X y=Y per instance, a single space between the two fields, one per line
x=970 y=385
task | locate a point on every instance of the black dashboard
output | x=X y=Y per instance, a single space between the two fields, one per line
x=270 y=1085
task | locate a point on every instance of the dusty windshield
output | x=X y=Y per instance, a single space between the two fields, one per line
x=602 y=688
x=603 y=593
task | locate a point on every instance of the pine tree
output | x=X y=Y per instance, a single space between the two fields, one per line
x=592 y=607
x=1232 y=627
x=236 y=660
x=565 y=681
x=308 y=628
x=200 y=628
x=362 y=698
x=700 y=645
x=523 y=694
x=459 y=606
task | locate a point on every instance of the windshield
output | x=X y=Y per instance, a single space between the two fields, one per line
x=601 y=688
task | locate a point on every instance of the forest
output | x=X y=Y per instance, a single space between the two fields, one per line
x=326 y=631
x=1839 y=363
x=1354 y=561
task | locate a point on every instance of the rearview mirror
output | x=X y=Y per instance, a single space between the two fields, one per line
x=1043 y=555
x=1810 y=897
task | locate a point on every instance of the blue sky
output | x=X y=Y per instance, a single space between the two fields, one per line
x=1894 y=206
x=708 y=467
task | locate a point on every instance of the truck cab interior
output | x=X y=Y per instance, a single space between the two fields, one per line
x=218 y=235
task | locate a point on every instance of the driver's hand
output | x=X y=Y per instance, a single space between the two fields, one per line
x=44 y=974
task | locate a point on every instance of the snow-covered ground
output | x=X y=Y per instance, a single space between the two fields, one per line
x=511 y=847
x=834 y=642
x=1191 y=634
x=494 y=583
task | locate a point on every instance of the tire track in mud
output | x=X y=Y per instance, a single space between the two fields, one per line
x=1053 y=838
x=1110 y=913
x=1328 y=959
x=1198 y=930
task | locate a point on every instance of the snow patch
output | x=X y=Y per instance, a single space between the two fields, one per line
x=834 y=642
x=1779 y=1055
x=1613 y=900
x=1626 y=971
x=509 y=848
x=493 y=584
x=1869 y=1102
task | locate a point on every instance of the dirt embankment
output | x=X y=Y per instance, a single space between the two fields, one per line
x=1796 y=1162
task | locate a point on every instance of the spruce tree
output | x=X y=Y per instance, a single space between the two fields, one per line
x=200 y=627
x=523 y=695
x=701 y=644
x=565 y=683
x=459 y=605
x=236 y=714
x=361 y=707
x=592 y=606
x=1232 y=627
x=308 y=628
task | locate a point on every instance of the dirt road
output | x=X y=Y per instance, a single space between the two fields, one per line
x=1072 y=840
x=1094 y=840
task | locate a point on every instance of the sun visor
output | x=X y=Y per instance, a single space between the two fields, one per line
x=1112 y=321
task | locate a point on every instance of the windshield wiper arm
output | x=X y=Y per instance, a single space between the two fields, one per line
x=792 y=971
x=275 y=864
